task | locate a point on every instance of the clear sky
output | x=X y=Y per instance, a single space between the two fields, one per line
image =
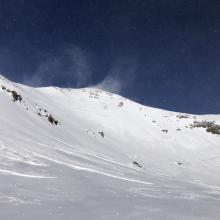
x=162 y=53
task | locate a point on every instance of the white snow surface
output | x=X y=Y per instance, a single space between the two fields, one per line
x=69 y=171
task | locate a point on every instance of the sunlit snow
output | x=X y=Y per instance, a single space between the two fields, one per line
x=106 y=158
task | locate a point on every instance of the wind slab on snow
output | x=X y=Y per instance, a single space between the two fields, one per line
x=106 y=157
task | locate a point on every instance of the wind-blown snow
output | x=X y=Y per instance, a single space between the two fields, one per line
x=82 y=168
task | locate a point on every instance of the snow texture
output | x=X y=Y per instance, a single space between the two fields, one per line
x=106 y=158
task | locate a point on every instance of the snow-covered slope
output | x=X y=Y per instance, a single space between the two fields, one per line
x=89 y=154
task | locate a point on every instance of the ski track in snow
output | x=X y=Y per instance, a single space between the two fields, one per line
x=75 y=167
x=81 y=152
x=7 y=172
x=88 y=153
x=33 y=151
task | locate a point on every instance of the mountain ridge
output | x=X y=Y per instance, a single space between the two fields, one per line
x=88 y=149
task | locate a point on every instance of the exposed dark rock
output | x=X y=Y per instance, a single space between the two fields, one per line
x=102 y=133
x=120 y=104
x=183 y=116
x=179 y=163
x=203 y=124
x=210 y=126
x=52 y=120
x=215 y=129
x=137 y=164
x=165 y=130
x=16 y=96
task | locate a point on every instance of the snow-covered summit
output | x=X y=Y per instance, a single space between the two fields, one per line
x=90 y=154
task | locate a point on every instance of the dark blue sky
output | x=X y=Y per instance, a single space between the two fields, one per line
x=161 y=53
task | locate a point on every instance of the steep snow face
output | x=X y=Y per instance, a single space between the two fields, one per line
x=90 y=154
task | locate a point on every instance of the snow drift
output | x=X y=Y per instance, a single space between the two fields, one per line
x=90 y=154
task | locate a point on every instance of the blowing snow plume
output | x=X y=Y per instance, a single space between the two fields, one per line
x=106 y=158
x=70 y=67
x=120 y=76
